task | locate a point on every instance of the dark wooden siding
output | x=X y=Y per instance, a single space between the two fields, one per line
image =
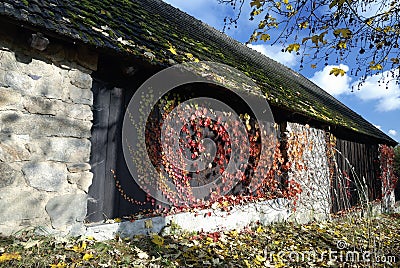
x=107 y=160
x=357 y=165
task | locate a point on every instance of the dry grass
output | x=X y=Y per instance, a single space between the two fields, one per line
x=277 y=245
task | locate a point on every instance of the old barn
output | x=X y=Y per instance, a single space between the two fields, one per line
x=68 y=70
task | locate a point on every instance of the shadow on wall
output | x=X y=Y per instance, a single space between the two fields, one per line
x=45 y=123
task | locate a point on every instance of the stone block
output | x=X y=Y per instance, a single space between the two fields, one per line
x=40 y=105
x=43 y=125
x=2 y=78
x=78 y=167
x=20 y=204
x=78 y=111
x=8 y=61
x=46 y=176
x=45 y=106
x=7 y=175
x=10 y=99
x=50 y=86
x=19 y=81
x=14 y=148
x=67 y=209
x=39 y=68
x=79 y=95
x=80 y=79
x=61 y=149
x=82 y=179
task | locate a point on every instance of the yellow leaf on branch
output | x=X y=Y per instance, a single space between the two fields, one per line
x=303 y=25
x=376 y=67
x=337 y=71
x=265 y=37
x=293 y=47
x=342 y=45
x=257 y=3
x=343 y=32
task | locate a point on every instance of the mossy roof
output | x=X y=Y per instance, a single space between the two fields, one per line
x=162 y=34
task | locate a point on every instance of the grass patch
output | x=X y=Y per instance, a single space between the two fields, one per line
x=345 y=242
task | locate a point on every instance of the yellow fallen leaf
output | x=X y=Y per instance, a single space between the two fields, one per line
x=58 y=265
x=158 y=240
x=172 y=50
x=9 y=256
x=260 y=258
x=79 y=248
x=87 y=256
x=234 y=233
x=148 y=224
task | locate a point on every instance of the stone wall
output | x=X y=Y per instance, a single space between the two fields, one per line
x=309 y=167
x=45 y=126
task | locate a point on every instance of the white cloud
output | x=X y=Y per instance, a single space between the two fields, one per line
x=334 y=85
x=392 y=132
x=378 y=127
x=275 y=53
x=382 y=88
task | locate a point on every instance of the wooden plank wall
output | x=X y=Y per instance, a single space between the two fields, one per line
x=357 y=165
x=105 y=201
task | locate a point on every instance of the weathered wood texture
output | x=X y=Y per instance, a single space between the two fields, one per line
x=107 y=157
x=357 y=165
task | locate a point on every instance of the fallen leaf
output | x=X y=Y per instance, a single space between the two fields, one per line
x=31 y=243
x=9 y=256
x=158 y=240
x=143 y=255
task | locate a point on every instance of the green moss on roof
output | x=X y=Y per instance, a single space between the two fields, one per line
x=152 y=26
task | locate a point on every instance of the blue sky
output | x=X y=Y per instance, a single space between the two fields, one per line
x=376 y=103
